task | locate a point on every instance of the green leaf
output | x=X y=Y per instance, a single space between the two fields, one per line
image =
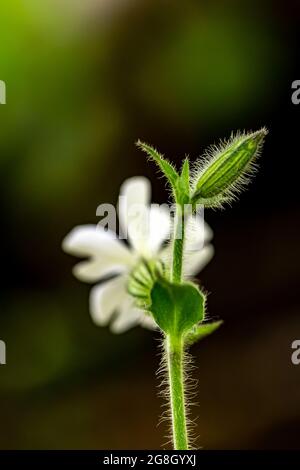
x=176 y=308
x=200 y=331
x=164 y=165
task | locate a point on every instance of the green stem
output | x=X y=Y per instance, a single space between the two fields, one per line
x=174 y=352
x=178 y=244
x=174 y=347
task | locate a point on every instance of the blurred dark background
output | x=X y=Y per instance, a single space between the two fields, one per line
x=84 y=81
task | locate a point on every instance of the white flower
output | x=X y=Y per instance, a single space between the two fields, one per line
x=147 y=230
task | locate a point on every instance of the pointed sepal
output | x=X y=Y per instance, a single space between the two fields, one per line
x=164 y=165
x=199 y=332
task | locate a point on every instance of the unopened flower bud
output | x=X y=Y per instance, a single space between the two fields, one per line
x=227 y=169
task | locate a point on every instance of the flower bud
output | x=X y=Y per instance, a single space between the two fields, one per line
x=227 y=169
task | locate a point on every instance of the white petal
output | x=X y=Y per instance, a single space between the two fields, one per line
x=107 y=254
x=165 y=255
x=208 y=233
x=148 y=322
x=134 y=192
x=198 y=232
x=149 y=230
x=195 y=261
x=106 y=298
x=145 y=226
x=159 y=227
x=127 y=317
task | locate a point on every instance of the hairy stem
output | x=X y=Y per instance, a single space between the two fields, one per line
x=178 y=245
x=174 y=347
x=174 y=352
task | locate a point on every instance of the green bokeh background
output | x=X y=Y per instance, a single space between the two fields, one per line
x=84 y=81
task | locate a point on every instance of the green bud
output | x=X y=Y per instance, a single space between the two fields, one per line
x=227 y=169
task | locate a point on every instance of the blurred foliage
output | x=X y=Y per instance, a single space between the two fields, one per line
x=211 y=65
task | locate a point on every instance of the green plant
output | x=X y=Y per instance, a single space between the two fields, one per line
x=151 y=284
x=178 y=306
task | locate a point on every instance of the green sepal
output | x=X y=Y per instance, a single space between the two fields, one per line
x=164 y=165
x=142 y=279
x=199 y=332
x=176 y=308
x=180 y=183
x=183 y=184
